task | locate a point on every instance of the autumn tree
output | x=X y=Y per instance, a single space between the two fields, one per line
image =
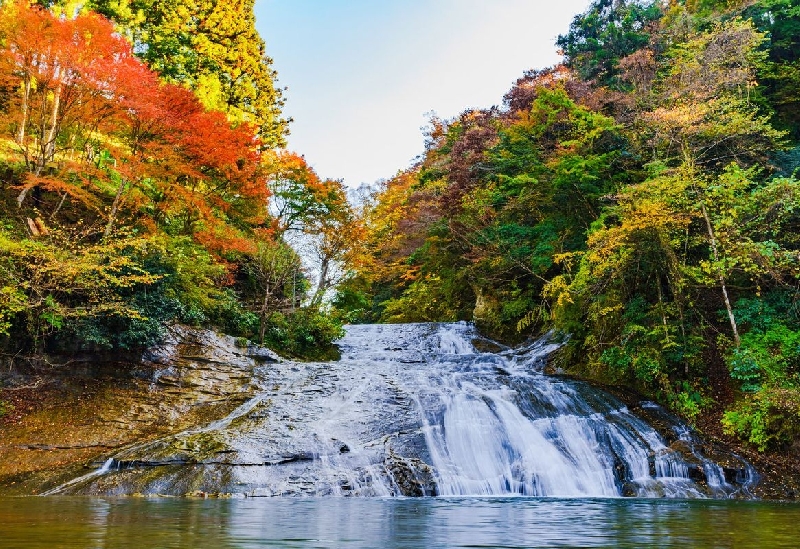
x=606 y=33
x=212 y=48
x=335 y=244
x=272 y=277
x=72 y=75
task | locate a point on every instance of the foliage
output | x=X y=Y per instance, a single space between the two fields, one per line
x=5 y=408
x=46 y=284
x=766 y=419
x=639 y=198
x=609 y=31
x=139 y=187
x=307 y=333
x=780 y=75
x=212 y=48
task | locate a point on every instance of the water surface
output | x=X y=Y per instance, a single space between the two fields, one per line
x=393 y=523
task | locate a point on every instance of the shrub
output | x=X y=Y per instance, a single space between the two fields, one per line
x=768 y=419
x=5 y=407
x=306 y=333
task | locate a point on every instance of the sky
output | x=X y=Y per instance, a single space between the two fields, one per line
x=363 y=76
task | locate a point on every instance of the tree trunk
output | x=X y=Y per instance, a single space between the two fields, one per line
x=58 y=208
x=47 y=145
x=322 y=285
x=114 y=207
x=262 y=324
x=52 y=132
x=21 y=196
x=661 y=307
x=26 y=95
x=713 y=240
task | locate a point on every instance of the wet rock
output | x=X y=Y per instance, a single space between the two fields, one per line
x=629 y=490
x=261 y=354
x=210 y=363
x=412 y=477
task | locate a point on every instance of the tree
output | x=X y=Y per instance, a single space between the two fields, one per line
x=212 y=48
x=299 y=198
x=706 y=112
x=272 y=270
x=607 y=32
x=71 y=74
x=335 y=244
x=707 y=118
x=48 y=286
x=780 y=75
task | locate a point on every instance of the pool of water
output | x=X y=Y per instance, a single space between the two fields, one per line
x=137 y=523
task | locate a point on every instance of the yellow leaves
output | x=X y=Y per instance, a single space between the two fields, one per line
x=611 y=311
x=55 y=267
x=704 y=110
x=566 y=258
x=209 y=91
x=723 y=59
x=677 y=117
x=558 y=288
x=640 y=221
x=12 y=301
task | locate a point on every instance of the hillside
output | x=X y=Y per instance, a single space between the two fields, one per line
x=639 y=198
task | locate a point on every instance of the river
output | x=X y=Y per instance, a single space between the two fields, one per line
x=392 y=523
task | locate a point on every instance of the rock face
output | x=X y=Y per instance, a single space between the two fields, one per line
x=209 y=364
x=410 y=410
x=68 y=419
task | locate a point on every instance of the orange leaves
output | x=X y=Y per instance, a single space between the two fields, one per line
x=72 y=70
x=223 y=239
x=106 y=141
x=76 y=187
x=90 y=119
x=200 y=144
x=299 y=196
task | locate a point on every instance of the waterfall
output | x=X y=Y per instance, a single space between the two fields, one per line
x=416 y=410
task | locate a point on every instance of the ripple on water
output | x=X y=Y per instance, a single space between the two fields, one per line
x=392 y=523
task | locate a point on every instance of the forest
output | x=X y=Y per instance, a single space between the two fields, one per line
x=639 y=200
x=144 y=182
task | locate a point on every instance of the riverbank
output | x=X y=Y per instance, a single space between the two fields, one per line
x=62 y=421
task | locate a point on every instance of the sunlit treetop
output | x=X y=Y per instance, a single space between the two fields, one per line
x=210 y=47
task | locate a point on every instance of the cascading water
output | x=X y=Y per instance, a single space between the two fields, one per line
x=416 y=409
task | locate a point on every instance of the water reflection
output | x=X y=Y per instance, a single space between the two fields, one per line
x=105 y=523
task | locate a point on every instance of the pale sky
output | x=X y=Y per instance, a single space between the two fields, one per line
x=363 y=74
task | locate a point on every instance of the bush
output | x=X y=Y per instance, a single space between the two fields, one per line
x=768 y=419
x=307 y=333
x=182 y=286
x=766 y=356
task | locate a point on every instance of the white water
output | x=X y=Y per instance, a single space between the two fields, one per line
x=83 y=479
x=415 y=409
x=482 y=441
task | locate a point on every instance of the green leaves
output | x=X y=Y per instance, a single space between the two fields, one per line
x=766 y=419
x=607 y=32
x=52 y=313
